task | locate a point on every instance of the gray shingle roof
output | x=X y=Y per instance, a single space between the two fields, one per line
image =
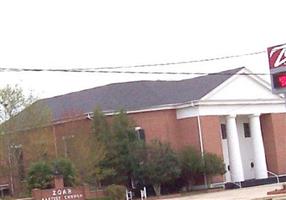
x=135 y=95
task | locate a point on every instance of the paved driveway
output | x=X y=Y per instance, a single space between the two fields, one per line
x=250 y=193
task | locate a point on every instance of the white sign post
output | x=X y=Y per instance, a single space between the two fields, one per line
x=128 y=195
x=143 y=193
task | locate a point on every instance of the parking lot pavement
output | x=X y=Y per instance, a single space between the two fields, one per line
x=250 y=193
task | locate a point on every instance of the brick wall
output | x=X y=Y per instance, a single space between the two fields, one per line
x=210 y=127
x=69 y=130
x=189 y=132
x=160 y=125
x=274 y=137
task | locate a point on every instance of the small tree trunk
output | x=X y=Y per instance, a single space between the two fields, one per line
x=189 y=185
x=209 y=181
x=98 y=185
x=157 y=189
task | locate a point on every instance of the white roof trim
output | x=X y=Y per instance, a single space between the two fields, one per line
x=254 y=77
x=240 y=102
x=180 y=106
x=201 y=103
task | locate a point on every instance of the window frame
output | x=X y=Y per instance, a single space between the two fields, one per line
x=223 y=132
x=246 y=130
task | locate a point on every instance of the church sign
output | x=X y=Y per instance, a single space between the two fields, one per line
x=61 y=194
x=277 y=65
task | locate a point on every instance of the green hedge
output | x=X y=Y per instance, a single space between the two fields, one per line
x=116 y=192
x=101 y=198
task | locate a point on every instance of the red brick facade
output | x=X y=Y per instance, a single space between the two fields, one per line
x=159 y=125
x=274 y=137
x=211 y=137
x=164 y=126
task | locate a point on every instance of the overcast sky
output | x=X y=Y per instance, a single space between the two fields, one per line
x=91 y=34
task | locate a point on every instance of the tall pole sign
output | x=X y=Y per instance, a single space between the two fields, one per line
x=277 y=65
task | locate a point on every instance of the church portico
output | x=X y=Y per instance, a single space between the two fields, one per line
x=243 y=148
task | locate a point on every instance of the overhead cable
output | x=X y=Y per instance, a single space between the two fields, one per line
x=153 y=65
x=123 y=72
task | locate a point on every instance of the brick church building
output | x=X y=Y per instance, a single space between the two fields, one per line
x=231 y=114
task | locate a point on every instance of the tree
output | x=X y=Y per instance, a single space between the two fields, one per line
x=161 y=165
x=21 y=135
x=40 y=139
x=100 y=127
x=191 y=163
x=122 y=147
x=125 y=146
x=213 y=165
x=101 y=132
x=88 y=149
x=4 y=167
x=40 y=176
x=12 y=101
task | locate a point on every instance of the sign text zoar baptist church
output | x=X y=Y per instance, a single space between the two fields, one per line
x=63 y=194
x=59 y=192
x=277 y=65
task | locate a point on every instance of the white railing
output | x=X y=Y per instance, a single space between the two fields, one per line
x=143 y=193
x=276 y=176
x=128 y=195
x=219 y=184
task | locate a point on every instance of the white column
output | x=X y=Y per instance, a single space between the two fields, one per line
x=236 y=169
x=258 y=147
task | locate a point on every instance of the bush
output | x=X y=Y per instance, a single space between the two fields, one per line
x=39 y=176
x=161 y=165
x=100 y=198
x=65 y=168
x=213 y=165
x=192 y=165
x=116 y=192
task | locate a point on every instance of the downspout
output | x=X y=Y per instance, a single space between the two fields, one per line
x=55 y=140
x=200 y=135
x=201 y=144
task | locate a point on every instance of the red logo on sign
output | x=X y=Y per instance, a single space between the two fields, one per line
x=277 y=56
x=282 y=81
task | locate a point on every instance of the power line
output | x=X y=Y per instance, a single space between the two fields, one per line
x=186 y=62
x=124 y=72
x=132 y=66
x=109 y=70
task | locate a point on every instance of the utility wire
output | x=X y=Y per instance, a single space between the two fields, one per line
x=171 y=63
x=186 y=62
x=124 y=72
x=106 y=69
